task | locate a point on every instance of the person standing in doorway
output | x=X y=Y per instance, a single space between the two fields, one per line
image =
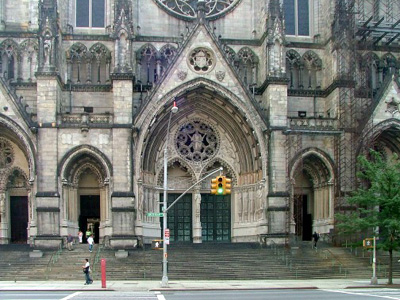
x=86 y=271
x=80 y=236
x=315 y=239
x=90 y=241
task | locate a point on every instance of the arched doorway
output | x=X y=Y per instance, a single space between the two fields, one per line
x=85 y=188
x=312 y=195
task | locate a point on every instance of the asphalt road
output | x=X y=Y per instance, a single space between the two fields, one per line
x=282 y=294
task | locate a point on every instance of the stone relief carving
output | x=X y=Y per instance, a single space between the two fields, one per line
x=182 y=75
x=220 y=75
x=201 y=60
x=6 y=154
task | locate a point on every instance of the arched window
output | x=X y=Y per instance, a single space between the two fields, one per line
x=293 y=69
x=29 y=54
x=79 y=61
x=100 y=65
x=147 y=70
x=370 y=67
x=9 y=55
x=247 y=65
x=313 y=65
x=167 y=53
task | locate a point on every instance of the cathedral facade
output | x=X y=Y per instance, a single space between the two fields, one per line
x=283 y=95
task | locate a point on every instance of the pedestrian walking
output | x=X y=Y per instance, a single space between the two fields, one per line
x=315 y=239
x=90 y=241
x=86 y=271
x=80 y=236
x=70 y=242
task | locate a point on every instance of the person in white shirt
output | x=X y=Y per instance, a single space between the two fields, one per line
x=90 y=241
x=86 y=270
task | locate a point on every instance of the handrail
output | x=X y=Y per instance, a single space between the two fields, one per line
x=335 y=260
x=97 y=255
x=53 y=259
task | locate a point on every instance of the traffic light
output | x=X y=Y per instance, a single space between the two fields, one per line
x=227 y=185
x=214 y=186
x=221 y=185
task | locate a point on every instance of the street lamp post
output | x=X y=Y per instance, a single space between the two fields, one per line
x=164 y=282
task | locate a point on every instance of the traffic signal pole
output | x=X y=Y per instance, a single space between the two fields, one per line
x=166 y=208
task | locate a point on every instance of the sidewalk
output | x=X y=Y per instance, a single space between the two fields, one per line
x=143 y=285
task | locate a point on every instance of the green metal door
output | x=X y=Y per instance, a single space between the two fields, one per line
x=216 y=218
x=179 y=218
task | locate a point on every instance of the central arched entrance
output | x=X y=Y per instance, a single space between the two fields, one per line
x=85 y=206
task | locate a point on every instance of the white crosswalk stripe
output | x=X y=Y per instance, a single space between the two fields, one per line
x=393 y=294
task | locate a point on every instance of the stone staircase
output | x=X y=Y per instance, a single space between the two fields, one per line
x=16 y=265
x=207 y=261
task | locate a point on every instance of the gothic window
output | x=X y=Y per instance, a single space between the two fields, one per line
x=6 y=154
x=230 y=54
x=187 y=9
x=9 y=52
x=297 y=17
x=197 y=141
x=78 y=64
x=167 y=53
x=29 y=52
x=389 y=64
x=90 y=13
x=100 y=65
x=247 y=65
x=147 y=70
x=370 y=67
x=294 y=68
x=313 y=65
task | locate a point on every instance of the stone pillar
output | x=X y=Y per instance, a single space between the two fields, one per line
x=47 y=197
x=196 y=199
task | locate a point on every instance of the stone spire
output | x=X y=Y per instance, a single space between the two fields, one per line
x=276 y=40
x=123 y=35
x=48 y=36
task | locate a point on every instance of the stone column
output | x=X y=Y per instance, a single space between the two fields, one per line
x=196 y=199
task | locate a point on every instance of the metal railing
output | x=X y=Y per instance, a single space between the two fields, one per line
x=53 y=259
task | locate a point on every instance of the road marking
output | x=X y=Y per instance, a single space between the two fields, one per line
x=361 y=294
x=159 y=296
x=71 y=296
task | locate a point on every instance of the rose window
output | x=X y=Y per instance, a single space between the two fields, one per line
x=187 y=9
x=201 y=60
x=196 y=141
x=6 y=154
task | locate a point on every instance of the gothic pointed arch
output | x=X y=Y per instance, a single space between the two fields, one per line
x=10 y=58
x=100 y=63
x=371 y=64
x=312 y=193
x=29 y=59
x=80 y=154
x=176 y=162
x=167 y=54
x=313 y=66
x=294 y=68
x=146 y=58
x=247 y=65
x=14 y=132
x=79 y=60
x=384 y=135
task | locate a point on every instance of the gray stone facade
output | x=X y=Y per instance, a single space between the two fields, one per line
x=84 y=114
